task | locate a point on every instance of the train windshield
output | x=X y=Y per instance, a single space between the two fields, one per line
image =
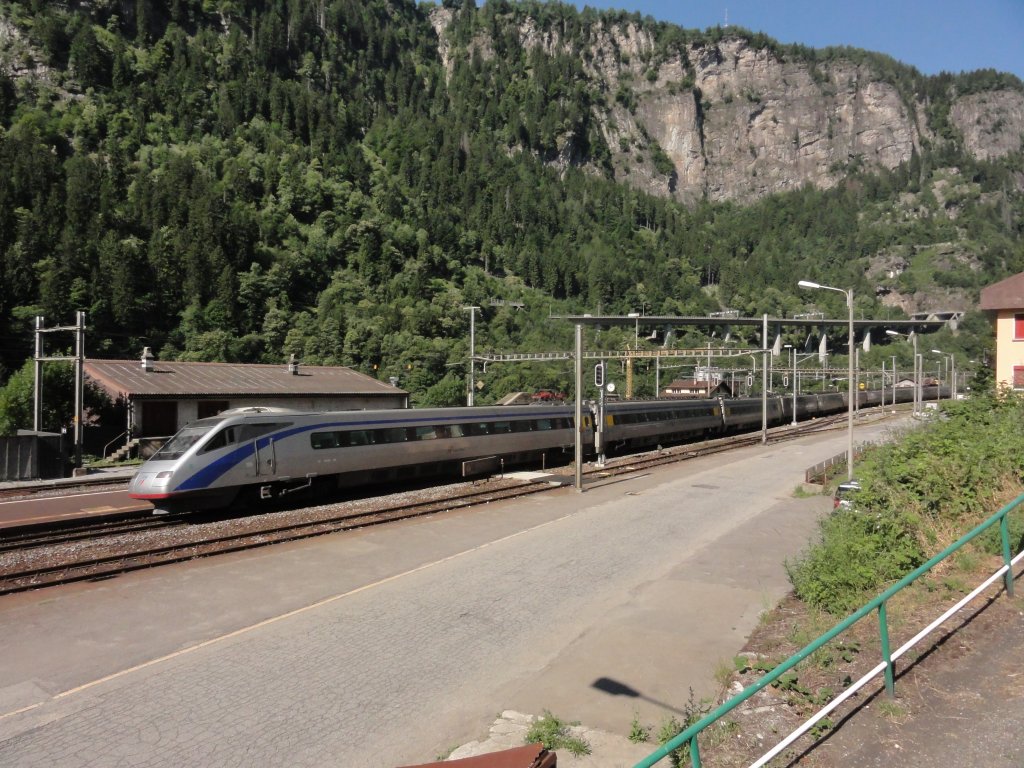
x=176 y=447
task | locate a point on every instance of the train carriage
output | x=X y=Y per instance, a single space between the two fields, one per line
x=261 y=454
x=268 y=453
x=644 y=423
x=869 y=398
x=745 y=413
x=832 y=402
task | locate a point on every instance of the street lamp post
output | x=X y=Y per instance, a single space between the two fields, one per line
x=952 y=370
x=917 y=377
x=850 y=406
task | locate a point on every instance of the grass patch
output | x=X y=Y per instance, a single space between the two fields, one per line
x=672 y=727
x=638 y=732
x=892 y=710
x=801 y=492
x=554 y=734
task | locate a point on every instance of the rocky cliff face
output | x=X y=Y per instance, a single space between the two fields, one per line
x=766 y=126
x=992 y=123
x=739 y=122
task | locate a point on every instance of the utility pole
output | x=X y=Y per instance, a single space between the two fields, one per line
x=764 y=381
x=79 y=360
x=37 y=389
x=472 y=354
x=79 y=383
x=579 y=408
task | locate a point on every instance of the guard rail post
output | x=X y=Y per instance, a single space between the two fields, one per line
x=1004 y=533
x=883 y=628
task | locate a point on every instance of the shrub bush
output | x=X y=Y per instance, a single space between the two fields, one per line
x=919 y=494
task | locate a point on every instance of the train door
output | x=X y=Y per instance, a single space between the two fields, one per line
x=264 y=464
x=266 y=458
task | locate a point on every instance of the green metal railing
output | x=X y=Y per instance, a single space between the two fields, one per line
x=879 y=604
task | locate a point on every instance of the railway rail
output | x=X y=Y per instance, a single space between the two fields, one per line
x=37 y=558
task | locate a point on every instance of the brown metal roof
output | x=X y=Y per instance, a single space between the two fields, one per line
x=179 y=379
x=1006 y=294
x=689 y=384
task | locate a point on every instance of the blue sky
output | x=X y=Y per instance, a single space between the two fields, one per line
x=932 y=35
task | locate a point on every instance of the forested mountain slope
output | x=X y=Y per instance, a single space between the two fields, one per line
x=338 y=179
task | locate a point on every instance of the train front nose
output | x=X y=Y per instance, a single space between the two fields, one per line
x=150 y=482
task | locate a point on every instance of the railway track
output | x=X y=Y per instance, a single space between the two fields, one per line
x=91 y=551
x=124 y=552
x=21 y=540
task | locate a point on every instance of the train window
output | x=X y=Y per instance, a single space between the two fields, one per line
x=426 y=433
x=457 y=430
x=390 y=435
x=252 y=431
x=321 y=440
x=359 y=437
x=222 y=439
x=543 y=424
x=501 y=427
x=181 y=442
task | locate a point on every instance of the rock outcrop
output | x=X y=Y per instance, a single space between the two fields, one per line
x=740 y=122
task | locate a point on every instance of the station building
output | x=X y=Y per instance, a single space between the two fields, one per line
x=696 y=389
x=1004 y=301
x=157 y=398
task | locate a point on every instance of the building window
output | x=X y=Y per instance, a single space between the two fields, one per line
x=207 y=408
x=1018 y=377
x=1018 y=327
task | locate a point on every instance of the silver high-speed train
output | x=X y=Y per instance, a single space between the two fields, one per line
x=256 y=455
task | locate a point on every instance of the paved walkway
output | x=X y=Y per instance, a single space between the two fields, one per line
x=94 y=477
x=395 y=644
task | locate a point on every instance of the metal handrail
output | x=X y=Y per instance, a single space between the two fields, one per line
x=104 y=454
x=879 y=603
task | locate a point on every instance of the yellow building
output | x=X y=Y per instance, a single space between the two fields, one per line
x=1006 y=300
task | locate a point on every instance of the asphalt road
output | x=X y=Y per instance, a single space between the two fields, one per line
x=390 y=646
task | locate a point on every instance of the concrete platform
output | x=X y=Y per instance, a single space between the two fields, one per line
x=397 y=644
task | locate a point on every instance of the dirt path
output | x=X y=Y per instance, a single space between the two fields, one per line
x=961 y=705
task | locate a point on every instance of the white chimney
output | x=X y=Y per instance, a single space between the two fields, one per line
x=293 y=365
x=147 y=360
